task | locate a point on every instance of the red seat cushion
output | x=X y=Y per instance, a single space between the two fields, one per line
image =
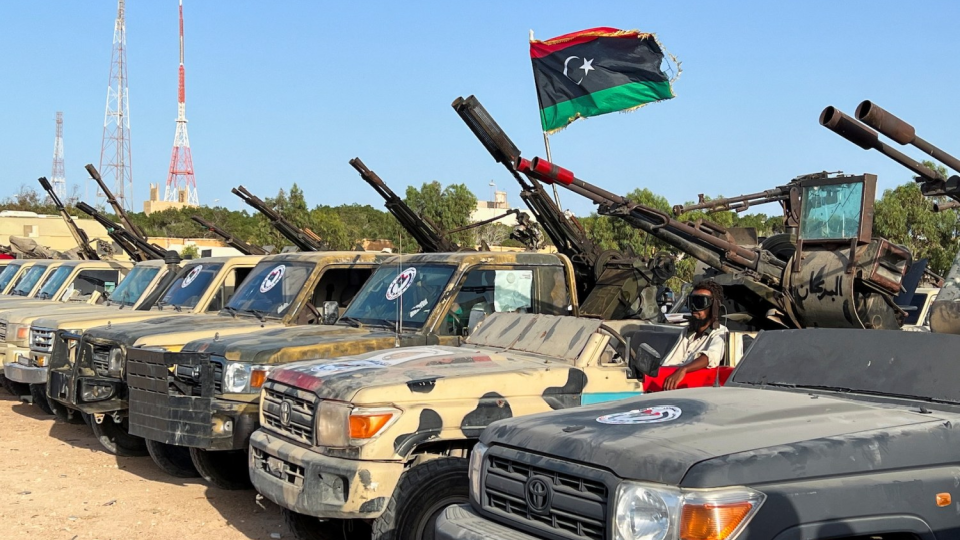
x=694 y=379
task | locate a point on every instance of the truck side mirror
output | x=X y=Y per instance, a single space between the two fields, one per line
x=646 y=361
x=330 y=312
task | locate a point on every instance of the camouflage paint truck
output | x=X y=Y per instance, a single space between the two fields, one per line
x=820 y=433
x=149 y=286
x=205 y=397
x=377 y=444
x=89 y=373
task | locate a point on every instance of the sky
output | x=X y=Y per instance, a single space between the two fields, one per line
x=288 y=91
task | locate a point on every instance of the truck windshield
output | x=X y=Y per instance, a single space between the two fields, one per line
x=54 y=281
x=132 y=287
x=8 y=273
x=271 y=288
x=408 y=290
x=29 y=280
x=191 y=283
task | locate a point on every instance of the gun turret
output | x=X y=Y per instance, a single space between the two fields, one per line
x=304 y=239
x=424 y=231
x=841 y=278
x=229 y=239
x=129 y=225
x=79 y=235
x=135 y=247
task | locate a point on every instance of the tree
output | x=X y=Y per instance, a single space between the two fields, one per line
x=448 y=208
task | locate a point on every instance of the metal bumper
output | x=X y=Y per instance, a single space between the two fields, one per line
x=462 y=523
x=25 y=374
x=198 y=422
x=317 y=485
x=67 y=388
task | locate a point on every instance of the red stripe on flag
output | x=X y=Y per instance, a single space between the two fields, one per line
x=539 y=49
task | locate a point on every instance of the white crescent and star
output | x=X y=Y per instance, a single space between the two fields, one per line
x=587 y=67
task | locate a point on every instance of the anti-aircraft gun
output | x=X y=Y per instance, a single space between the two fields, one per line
x=229 y=239
x=304 y=239
x=615 y=279
x=138 y=249
x=839 y=276
x=129 y=225
x=86 y=252
x=862 y=131
x=427 y=233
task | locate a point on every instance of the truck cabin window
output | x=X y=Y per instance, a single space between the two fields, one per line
x=831 y=212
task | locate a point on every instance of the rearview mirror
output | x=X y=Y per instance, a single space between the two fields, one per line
x=646 y=361
x=330 y=313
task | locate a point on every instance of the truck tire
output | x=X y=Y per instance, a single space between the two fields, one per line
x=422 y=493
x=39 y=394
x=225 y=469
x=16 y=389
x=116 y=438
x=173 y=460
x=65 y=414
x=306 y=527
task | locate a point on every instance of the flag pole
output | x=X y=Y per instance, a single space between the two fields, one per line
x=546 y=138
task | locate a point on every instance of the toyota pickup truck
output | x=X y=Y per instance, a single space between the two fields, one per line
x=818 y=434
x=205 y=398
x=90 y=373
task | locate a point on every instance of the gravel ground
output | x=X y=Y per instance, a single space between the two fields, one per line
x=58 y=483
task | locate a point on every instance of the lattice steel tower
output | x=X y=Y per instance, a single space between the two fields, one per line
x=115 y=157
x=181 y=184
x=58 y=177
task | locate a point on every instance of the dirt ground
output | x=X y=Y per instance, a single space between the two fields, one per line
x=57 y=483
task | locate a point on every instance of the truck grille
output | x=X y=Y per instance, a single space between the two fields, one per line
x=41 y=339
x=577 y=508
x=303 y=405
x=101 y=359
x=3 y=331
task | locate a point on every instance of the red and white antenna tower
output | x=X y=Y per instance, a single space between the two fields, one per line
x=115 y=157
x=180 y=178
x=58 y=178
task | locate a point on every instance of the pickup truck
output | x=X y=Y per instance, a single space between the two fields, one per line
x=818 y=434
x=90 y=372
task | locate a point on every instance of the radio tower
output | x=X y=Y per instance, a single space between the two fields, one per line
x=180 y=179
x=58 y=178
x=115 y=157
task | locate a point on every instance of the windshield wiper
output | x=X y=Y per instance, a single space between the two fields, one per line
x=356 y=322
x=231 y=310
x=258 y=314
x=845 y=390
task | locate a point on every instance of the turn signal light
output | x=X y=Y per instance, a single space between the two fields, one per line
x=365 y=426
x=712 y=521
x=23 y=332
x=257 y=378
x=943 y=499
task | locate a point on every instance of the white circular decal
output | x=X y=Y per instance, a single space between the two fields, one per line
x=401 y=283
x=650 y=415
x=272 y=278
x=192 y=275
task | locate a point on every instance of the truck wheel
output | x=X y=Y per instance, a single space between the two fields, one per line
x=117 y=439
x=64 y=414
x=39 y=394
x=310 y=528
x=15 y=388
x=173 y=460
x=423 y=492
x=225 y=469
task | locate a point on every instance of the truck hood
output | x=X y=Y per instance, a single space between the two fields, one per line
x=431 y=372
x=176 y=328
x=295 y=343
x=95 y=316
x=22 y=315
x=710 y=437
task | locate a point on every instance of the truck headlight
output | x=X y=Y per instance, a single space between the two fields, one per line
x=243 y=378
x=656 y=512
x=476 y=468
x=340 y=424
x=115 y=362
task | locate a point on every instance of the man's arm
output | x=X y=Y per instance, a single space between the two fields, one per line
x=674 y=380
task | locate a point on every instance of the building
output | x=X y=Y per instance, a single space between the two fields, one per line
x=155 y=204
x=47 y=230
x=491 y=209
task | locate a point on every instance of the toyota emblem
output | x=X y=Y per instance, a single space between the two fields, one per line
x=539 y=494
x=286 y=411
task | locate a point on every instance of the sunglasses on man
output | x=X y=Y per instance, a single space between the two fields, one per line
x=699 y=302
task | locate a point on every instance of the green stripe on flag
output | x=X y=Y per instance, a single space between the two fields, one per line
x=618 y=98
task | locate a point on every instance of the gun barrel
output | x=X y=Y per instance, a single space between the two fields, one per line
x=737 y=204
x=229 y=239
x=866 y=138
x=944 y=206
x=901 y=132
x=304 y=239
x=374 y=180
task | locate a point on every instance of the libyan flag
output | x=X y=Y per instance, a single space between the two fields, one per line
x=594 y=72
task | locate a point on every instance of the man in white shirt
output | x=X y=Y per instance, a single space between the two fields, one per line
x=705 y=342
